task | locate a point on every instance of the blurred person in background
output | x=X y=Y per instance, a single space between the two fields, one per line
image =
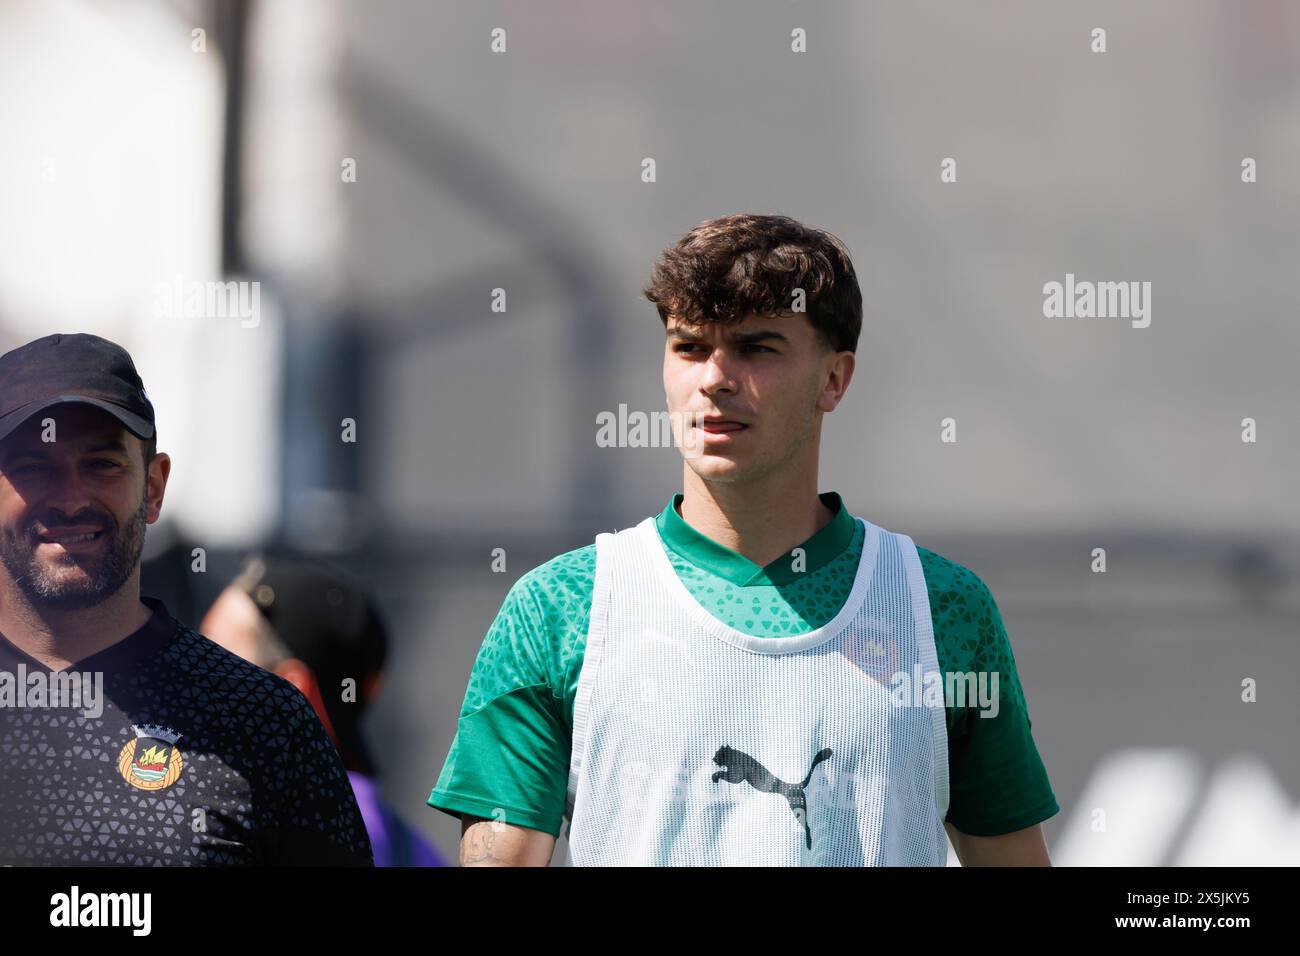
x=315 y=627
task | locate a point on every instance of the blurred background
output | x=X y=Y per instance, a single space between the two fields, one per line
x=376 y=170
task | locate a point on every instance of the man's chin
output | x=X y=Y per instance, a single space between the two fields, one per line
x=719 y=468
x=63 y=593
x=67 y=600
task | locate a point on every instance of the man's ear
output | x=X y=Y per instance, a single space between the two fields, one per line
x=156 y=485
x=839 y=374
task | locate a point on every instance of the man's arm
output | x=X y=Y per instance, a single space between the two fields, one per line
x=1019 y=848
x=493 y=843
x=998 y=790
x=508 y=767
x=320 y=823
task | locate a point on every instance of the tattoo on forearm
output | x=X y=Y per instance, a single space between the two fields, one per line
x=479 y=845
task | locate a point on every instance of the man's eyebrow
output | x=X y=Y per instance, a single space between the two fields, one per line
x=758 y=335
x=40 y=451
x=738 y=338
x=20 y=451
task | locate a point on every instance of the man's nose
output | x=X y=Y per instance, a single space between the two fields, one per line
x=64 y=490
x=718 y=373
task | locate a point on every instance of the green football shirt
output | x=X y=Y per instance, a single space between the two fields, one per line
x=510 y=756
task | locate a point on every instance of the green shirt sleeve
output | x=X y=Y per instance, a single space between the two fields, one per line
x=997 y=781
x=509 y=760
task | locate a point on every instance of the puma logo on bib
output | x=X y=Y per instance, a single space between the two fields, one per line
x=739 y=767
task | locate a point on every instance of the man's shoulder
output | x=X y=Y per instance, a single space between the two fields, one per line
x=564 y=580
x=968 y=627
x=952 y=581
x=207 y=666
x=559 y=581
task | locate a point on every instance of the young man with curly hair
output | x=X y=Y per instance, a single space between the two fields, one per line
x=749 y=678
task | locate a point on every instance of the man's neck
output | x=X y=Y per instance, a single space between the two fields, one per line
x=59 y=638
x=760 y=520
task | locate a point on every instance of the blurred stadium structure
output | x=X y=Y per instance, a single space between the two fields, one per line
x=139 y=152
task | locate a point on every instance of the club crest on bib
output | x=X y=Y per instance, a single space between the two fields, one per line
x=151 y=761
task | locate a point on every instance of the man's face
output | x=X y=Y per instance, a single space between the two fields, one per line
x=73 y=511
x=764 y=381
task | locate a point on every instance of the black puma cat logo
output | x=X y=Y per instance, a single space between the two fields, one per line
x=739 y=767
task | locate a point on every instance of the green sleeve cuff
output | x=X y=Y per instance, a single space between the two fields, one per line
x=457 y=804
x=998 y=826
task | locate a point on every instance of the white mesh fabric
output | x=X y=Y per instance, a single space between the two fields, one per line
x=696 y=744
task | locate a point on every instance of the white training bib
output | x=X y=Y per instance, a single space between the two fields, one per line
x=695 y=744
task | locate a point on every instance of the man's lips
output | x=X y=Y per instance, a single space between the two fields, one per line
x=715 y=428
x=72 y=537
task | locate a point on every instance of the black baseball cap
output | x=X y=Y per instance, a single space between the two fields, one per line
x=63 y=368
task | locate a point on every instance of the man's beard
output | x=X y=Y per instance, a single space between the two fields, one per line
x=104 y=575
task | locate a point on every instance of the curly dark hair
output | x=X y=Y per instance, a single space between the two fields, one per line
x=725 y=269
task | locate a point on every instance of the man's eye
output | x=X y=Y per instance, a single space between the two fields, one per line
x=103 y=463
x=761 y=348
x=681 y=349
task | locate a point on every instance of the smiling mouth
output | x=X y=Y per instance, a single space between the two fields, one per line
x=69 y=538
